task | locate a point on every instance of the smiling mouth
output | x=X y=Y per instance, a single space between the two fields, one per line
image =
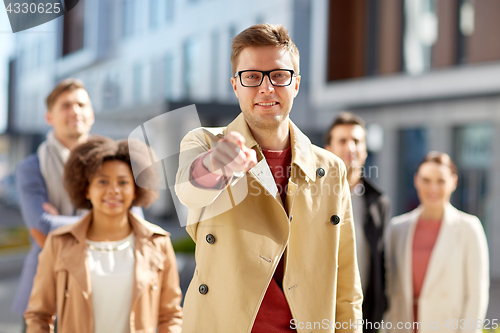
x=267 y=104
x=75 y=122
x=113 y=202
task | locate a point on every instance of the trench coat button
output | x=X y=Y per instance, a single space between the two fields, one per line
x=335 y=219
x=203 y=289
x=320 y=172
x=210 y=239
x=154 y=287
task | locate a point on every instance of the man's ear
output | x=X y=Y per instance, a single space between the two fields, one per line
x=233 y=83
x=48 y=118
x=296 y=86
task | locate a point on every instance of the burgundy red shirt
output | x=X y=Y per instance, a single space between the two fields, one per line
x=424 y=239
x=274 y=315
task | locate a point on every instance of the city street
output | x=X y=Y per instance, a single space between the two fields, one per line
x=9 y=322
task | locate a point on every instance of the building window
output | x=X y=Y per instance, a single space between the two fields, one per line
x=127 y=18
x=421 y=32
x=153 y=13
x=169 y=10
x=389 y=34
x=157 y=78
x=73 y=29
x=364 y=38
x=347 y=39
x=466 y=33
x=479 y=26
x=138 y=83
x=444 y=51
x=412 y=149
x=169 y=75
x=214 y=79
x=189 y=73
x=473 y=153
x=111 y=91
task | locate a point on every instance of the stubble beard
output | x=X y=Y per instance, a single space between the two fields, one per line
x=267 y=125
x=76 y=134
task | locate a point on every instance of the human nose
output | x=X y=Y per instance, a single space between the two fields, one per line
x=113 y=188
x=352 y=146
x=434 y=187
x=76 y=109
x=266 y=85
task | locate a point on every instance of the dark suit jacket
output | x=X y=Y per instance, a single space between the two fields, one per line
x=376 y=219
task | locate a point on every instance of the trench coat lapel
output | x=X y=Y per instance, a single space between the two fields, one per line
x=76 y=253
x=302 y=154
x=261 y=172
x=148 y=259
x=441 y=249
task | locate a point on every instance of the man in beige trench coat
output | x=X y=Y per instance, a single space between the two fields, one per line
x=270 y=212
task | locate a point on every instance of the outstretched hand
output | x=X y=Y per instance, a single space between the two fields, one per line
x=230 y=155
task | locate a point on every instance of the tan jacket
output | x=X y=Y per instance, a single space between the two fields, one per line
x=455 y=290
x=62 y=283
x=244 y=230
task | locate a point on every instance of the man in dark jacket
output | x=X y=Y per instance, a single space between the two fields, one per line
x=346 y=138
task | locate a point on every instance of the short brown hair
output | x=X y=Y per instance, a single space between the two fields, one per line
x=63 y=86
x=264 y=35
x=441 y=159
x=86 y=160
x=344 y=118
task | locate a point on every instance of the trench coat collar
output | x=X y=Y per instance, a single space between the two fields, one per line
x=302 y=154
x=439 y=254
x=141 y=227
x=146 y=255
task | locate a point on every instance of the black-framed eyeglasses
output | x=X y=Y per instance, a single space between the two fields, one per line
x=254 y=78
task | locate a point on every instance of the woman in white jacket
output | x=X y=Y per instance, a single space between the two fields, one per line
x=437 y=265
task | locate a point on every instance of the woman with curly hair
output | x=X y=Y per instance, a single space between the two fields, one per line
x=112 y=271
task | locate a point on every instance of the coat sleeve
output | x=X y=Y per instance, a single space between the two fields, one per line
x=349 y=293
x=32 y=194
x=170 y=314
x=195 y=198
x=193 y=145
x=477 y=274
x=42 y=303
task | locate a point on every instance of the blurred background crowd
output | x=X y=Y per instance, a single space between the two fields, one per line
x=423 y=74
